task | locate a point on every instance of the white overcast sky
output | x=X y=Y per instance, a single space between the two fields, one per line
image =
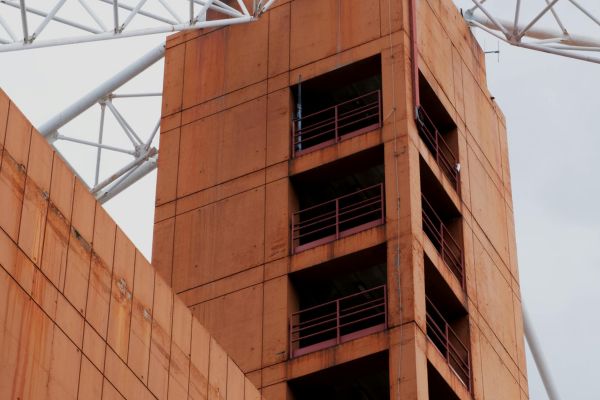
x=551 y=106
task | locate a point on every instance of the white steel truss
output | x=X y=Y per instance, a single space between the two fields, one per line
x=111 y=26
x=532 y=34
x=114 y=19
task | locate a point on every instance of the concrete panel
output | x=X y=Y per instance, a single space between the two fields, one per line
x=40 y=164
x=141 y=318
x=62 y=186
x=33 y=220
x=235 y=381
x=90 y=381
x=229 y=234
x=166 y=183
x=488 y=206
x=104 y=236
x=435 y=49
x=277 y=219
x=119 y=320
x=494 y=299
x=98 y=298
x=481 y=121
x=162 y=249
x=44 y=293
x=56 y=244
x=4 y=106
x=84 y=208
x=110 y=393
x=94 y=347
x=359 y=22
x=313 y=35
x=173 y=80
x=206 y=54
x=237 y=136
x=64 y=365
x=18 y=135
x=12 y=186
x=69 y=320
x=78 y=271
x=279 y=40
x=123 y=379
x=160 y=348
x=498 y=383
x=275 y=321
x=392 y=16
x=200 y=352
x=217 y=379
x=279 y=105
x=235 y=320
x=246 y=54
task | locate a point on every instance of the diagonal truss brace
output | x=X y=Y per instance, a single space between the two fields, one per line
x=534 y=37
x=169 y=19
x=143 y=153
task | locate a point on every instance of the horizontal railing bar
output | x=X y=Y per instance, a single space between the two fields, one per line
x=340 y=299
x=337 y=105
x=341 y=197
x=299 y=324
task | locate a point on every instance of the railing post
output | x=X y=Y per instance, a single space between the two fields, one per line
x=337 y=218
x=385 y=310
x=293 y=138
x=447 y=342
x=291 y=351
x=337 y=320
x=442 y=241
x=335 y=118
x=379 y=108
x=382 y=203
x=293 y=235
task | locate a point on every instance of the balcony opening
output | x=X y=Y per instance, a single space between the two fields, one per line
x=337 y=105
x=438 y=132
x=364 y=379
x=338 y=199
x=437 y=386
x=442 y=222
x=339 y=301
x=447 y=323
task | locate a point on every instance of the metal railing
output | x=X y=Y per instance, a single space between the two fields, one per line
x=435 y=142
x=344 y=120
x=338 y=321
x=443 y=240
x=446 y=340
x=338 y=218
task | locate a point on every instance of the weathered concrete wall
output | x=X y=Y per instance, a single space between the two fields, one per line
x=83 y=315
x=224 y=200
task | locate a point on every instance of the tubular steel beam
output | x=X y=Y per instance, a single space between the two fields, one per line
x=553 y=41
x=163 y=20
x=538 y=357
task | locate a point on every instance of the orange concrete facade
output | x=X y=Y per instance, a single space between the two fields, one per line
x=83 y=315
x=227 y=189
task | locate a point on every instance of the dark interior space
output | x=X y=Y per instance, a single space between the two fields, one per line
x=447 y=322
x=438 y=132
x=344 y=176
x=336 y=105
x=339 y=199
x=340 y=300
x=340 y=277
x=363 y=379
x=436 y=196
x=438 y=388
x=342 y=84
